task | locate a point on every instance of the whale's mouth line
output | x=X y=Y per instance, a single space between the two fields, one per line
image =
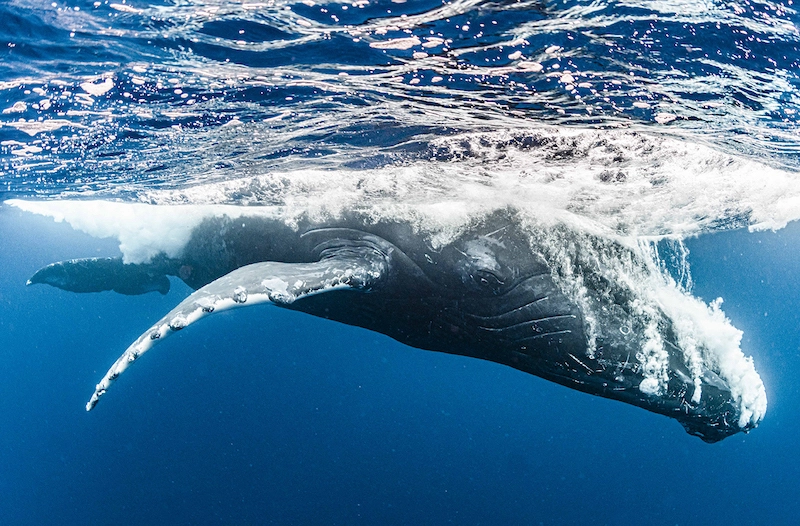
x=539 y=336
x=532 y=322
x=510 y=311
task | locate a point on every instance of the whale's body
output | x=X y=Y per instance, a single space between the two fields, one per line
x=491 y=292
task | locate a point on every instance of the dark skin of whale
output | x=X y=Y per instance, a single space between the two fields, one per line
x=490 y=294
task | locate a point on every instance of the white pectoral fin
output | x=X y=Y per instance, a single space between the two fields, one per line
x=268 y=282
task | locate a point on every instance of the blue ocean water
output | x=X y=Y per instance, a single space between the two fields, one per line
x=656 y=120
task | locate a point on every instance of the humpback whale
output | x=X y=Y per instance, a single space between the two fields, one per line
x=543 y=300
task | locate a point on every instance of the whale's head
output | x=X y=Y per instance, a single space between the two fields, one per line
x=598 y=320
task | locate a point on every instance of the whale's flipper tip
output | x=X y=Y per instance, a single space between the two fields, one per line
x=91 y=403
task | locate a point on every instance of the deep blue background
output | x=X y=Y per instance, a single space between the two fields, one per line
x=264 y=416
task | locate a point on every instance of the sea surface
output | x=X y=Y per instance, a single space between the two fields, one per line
x=671 y=126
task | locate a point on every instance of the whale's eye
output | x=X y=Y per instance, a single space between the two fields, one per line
x=483 y=280
x=486 y=278
x=480 y=270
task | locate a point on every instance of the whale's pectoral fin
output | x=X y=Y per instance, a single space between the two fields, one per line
x=99 y=274
x=268 y=282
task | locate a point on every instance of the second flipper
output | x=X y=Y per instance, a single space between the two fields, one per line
x=268 y=282
x=99 y=274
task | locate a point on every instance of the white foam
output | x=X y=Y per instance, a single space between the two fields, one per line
x=125 y=8
x=98 y=88
x=17 y=107
x=143 y=230
x=397 y=43
x=706 y=336
x=628 y=183
x=33 y=128
x=706 y=329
